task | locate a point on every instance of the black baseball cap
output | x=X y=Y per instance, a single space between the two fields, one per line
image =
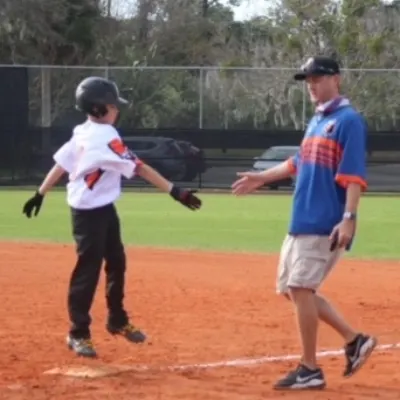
x=317 y=66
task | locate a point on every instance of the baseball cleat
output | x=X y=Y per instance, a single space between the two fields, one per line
x=129 y=332
x=82 y=347
x=358 y=352
x=302 y=378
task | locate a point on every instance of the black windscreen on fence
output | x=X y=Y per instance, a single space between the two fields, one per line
x=14 y=115
x=199 y=158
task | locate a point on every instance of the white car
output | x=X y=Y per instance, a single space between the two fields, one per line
x=272 y=157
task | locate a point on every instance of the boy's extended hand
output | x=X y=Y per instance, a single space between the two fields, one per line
x=186 y=197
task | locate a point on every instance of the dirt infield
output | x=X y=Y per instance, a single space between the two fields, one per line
x=196 y=308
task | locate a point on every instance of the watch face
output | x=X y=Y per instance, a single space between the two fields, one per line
x=349 y=215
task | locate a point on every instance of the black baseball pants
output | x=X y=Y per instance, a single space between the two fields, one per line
x=98 y=237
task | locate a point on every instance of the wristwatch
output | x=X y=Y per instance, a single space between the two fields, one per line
x=349 y=215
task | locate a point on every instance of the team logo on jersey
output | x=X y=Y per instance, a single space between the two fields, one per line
x=119 y=148
x=329 y=127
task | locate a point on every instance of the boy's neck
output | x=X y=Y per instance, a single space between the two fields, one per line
x=97 y=120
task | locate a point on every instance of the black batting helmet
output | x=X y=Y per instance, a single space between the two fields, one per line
x=94 y=93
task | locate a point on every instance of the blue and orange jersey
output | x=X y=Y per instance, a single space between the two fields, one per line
x=332 y=155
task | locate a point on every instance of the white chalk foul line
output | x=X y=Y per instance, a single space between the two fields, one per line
x=108 y=370
x=246 y=362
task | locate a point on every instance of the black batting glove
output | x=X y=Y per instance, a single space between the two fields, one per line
x=186 y=197
x=33 y=204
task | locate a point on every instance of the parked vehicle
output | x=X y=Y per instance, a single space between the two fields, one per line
x=272 y=157
x=177 y=160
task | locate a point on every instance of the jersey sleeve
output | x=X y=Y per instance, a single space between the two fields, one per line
x=293 y=163
x=119 y=158
x=352 y=167
x=64 y=156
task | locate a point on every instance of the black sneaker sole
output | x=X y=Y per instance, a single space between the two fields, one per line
x=305 y=388
x=140 y=336
x=83 y=355
x=364 y=358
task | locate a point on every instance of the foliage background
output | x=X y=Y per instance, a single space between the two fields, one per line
x=256 y=92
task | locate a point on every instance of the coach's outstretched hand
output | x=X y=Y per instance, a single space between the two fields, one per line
x=247 y=183
x=186 y=197
x=33 y=204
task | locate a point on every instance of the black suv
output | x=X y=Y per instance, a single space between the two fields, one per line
x=177 y=160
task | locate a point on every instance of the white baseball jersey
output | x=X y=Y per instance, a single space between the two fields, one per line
x=95 y=159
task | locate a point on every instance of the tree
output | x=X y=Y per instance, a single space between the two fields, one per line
x=360 y=34
x=47 y=31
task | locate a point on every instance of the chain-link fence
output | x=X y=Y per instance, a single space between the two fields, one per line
x=211 y=97
x=231 y=114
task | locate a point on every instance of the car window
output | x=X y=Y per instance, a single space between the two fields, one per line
x=278 y=153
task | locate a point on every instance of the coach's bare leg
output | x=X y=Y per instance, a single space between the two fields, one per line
x=328 y=314
x=307 y=320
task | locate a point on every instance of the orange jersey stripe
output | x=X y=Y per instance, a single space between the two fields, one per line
x=92 y=178
x=323 y=151
x=322 y=143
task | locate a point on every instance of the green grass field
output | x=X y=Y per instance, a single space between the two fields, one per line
x=254 y=223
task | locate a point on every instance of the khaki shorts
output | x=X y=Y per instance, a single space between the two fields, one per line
x=305 y=262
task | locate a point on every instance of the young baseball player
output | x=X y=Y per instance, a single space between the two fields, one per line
x=331 y=173
x=96 y=158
